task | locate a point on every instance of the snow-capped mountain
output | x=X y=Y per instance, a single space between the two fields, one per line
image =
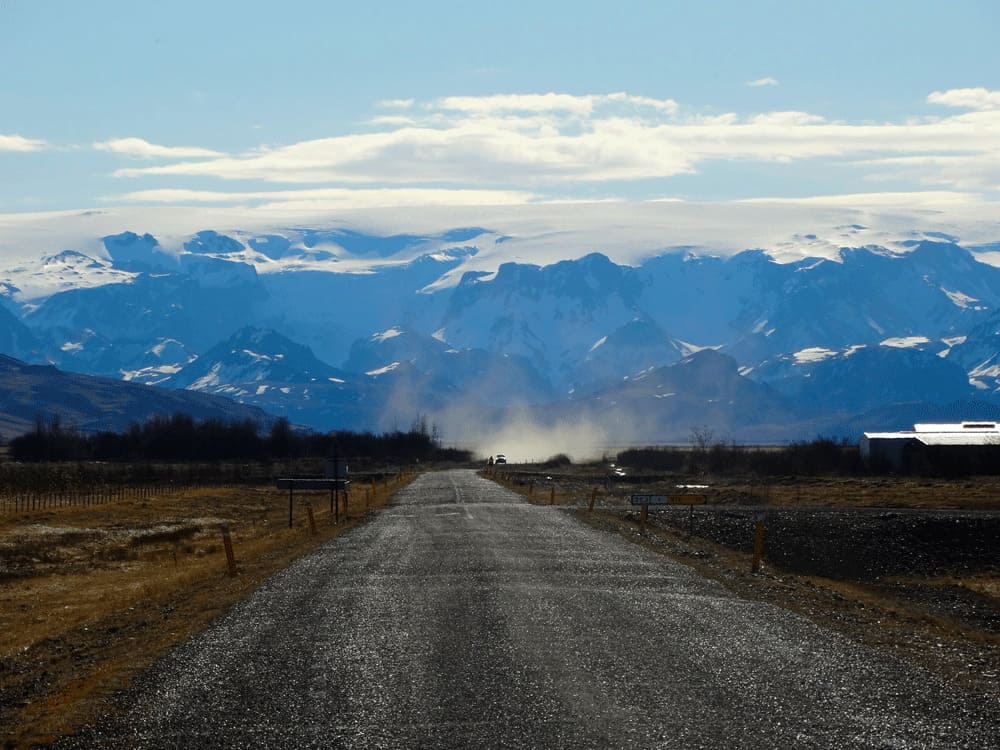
x=342 y=325
x=490 y=377
x=262 y=367
x=890 y=375
x=703 y=391
x=84 y=402
x=978 y=353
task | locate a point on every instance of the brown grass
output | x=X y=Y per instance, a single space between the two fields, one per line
x=91 y=596
x=575 y=483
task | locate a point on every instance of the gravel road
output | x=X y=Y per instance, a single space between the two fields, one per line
x=462 y=616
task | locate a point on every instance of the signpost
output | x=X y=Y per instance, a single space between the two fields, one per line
x=646 y=500
x=690 y=501
x=650 y=499
x=291 y=485
x=336 y=468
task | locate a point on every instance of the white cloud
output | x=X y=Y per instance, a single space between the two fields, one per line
x=145 y=150
x=392 y=120
x=909 y=200
x=549 y=139
x=334 y=197
x=20 y=143
x=973 y=98
x=396 y=103
x=767 y=81
x=551 y=102
x=979 y=171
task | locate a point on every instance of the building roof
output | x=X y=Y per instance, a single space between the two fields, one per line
x=963 y=427
x=962 y=433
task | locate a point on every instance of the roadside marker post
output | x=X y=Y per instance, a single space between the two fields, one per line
x=593 y=499
x=645 y=501
x=312 y=518
x=227 y=542
x=758 y=542
x=552 y=496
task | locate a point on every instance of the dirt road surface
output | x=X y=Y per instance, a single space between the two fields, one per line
x=463 y=616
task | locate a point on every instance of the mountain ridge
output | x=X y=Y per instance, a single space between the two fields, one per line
x=524 y=334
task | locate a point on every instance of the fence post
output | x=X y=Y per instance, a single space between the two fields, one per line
x=593 y=499
x=312 y=519
x=227 y=542
x=758 y=542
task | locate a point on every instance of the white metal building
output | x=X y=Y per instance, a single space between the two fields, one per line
x=891 y=447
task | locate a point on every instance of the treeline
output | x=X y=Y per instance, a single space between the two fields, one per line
x=180 y=438
x=820 y=457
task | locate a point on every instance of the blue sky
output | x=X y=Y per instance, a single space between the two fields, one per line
x=336 y=104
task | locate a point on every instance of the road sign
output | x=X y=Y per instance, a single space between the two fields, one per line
x=312 y=484
x=336 y=468
x=334 y=485
x=687 y=499
x=649 y=499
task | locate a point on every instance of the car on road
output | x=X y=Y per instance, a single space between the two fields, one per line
x=501 y=458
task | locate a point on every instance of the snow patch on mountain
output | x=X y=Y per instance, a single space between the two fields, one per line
x=210 y=379
x=687 y=349
x=962 y=300
x=383 y=370
x=66 y=270
x=905 y=342
x=813 y=354
x=390 y=333
x=990 y=369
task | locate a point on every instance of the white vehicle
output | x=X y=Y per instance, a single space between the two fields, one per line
x=501 y=458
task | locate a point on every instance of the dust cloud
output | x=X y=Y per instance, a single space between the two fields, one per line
x=522 y=437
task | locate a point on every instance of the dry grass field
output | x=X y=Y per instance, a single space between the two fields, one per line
x=92 y=595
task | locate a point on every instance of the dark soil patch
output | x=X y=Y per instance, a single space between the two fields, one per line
x=857 y=544
x=902 y=554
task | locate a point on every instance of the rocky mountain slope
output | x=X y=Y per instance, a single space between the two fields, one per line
x=29 y=393
x=339 y=327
